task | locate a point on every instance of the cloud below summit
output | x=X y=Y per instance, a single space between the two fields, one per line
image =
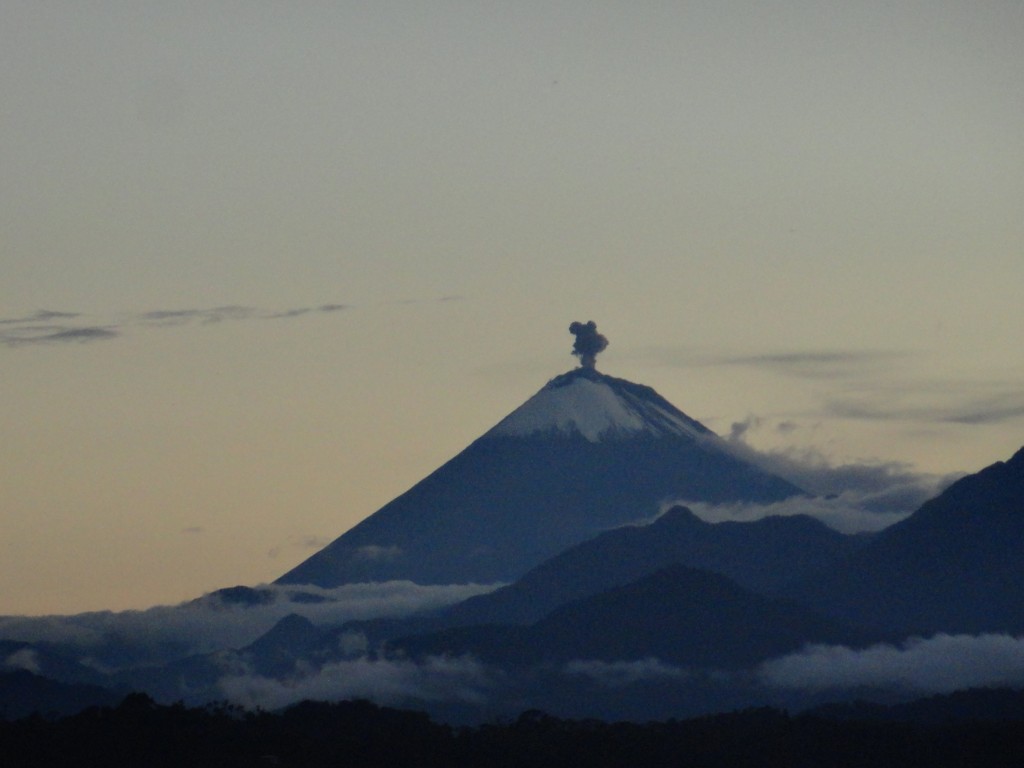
x=849 y=497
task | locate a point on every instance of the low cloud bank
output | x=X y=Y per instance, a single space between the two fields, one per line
x=26 y=659
x=940 y=664
x=229 y=618
x=384 y=681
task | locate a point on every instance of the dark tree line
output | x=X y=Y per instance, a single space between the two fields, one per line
x=359 y=734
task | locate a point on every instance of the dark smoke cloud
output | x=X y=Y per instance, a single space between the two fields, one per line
x=589 y=343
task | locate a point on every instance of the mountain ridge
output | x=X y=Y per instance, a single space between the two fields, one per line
x=952 y=566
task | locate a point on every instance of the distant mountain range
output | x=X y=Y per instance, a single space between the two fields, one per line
x=679 y=615
x=762 y=556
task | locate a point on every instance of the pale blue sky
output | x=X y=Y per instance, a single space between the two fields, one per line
x=807 y=212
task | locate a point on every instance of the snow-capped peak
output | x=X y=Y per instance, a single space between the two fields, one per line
x=597 y=407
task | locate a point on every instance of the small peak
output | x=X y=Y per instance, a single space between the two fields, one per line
x=576 y=374
x=1017 y=459
x=597 y=407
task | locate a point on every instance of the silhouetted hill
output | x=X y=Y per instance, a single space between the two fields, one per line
x=990 y=704
x=679 y=615
x=955 y=565
x=23 y=693
x=139 y=732
x=761 y=556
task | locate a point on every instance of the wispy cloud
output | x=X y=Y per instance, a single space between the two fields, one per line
x=850 y=497
x=14 y=333
x=871 y=385
x=228 y=313
x=52 y=327
x=43 y=315
x=961 y=407
x=885 y=486
x=939 y=664
x=48 y=327
x=811 y=364
x=833 y=364
x=183 y=316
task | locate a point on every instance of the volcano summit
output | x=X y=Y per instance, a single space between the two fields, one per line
x=586 y=453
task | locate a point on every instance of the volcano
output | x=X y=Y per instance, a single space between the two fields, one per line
x=586 y=453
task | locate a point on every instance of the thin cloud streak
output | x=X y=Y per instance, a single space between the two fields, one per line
x=835 y=364
x=19 y=335
x=871 y=392
x=995 y=409
x=40 y=316
x=809 y=364
x=226 y=313
x=40 y=328
x=46 y=326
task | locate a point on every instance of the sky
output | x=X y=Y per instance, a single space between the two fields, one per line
x=263 y=266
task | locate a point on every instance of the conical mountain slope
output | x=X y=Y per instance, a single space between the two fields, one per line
x=588 y=452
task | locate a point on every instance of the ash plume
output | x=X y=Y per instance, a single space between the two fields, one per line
x=589 y=343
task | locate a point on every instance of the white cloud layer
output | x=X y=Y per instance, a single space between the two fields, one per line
x=213 y=622
x=939 y=664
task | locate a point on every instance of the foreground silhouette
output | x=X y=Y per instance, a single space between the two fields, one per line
x=937 y=732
